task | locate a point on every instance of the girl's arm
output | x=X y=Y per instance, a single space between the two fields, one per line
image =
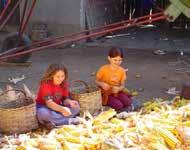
x=103 y=85
x=116 y=89
x=63 y=110
x=121 y=87
x=99 y=83
x=71 y=103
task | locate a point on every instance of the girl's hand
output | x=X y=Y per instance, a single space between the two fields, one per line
x=105 y=86
x=115 y=89
x=66 y=112
x=73 y=104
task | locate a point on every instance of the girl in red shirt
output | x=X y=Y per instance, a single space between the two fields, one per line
x=54 y=108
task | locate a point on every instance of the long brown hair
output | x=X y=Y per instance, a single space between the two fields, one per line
x=52 y=70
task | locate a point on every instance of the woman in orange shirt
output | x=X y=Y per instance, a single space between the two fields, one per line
x=111 y=79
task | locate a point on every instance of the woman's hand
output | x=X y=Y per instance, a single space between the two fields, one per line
x=116 y=89
x=65 y=111
x=73 y=104
x=105 y=86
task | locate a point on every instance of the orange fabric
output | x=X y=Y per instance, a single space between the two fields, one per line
x=116 y=78
x=105 y=96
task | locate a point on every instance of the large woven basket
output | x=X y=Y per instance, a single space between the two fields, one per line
x=90 y=98
x=17 y=116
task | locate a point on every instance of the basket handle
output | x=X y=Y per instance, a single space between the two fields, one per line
x=14 y=90
x=83 y=83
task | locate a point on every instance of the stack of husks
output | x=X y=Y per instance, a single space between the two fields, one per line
x=159 y=125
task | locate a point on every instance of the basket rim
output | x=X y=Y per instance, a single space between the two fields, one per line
x=96 y=90
x=15 y=109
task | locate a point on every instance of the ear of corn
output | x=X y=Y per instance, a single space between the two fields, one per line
x=159 y=146
x=104 y=116
x=170 y=139
x=186 y=123
x=72 y=146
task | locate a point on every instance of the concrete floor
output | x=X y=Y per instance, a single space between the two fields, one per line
x=158 y=72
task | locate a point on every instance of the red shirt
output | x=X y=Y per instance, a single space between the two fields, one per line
x=50 y=91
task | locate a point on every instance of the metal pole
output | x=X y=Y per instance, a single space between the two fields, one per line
x=23 y=15
x=5 y=9
x=28 y=17
x=82 y=32
x=10 y=14
x=162 y=17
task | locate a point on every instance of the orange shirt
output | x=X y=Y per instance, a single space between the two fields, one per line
x=113 y=78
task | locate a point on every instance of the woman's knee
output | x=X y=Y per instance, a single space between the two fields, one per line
x=115 y=103
x=43 y=114
x=75 y=111
x=125 y=99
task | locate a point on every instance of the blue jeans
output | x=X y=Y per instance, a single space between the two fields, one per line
x=47 y=115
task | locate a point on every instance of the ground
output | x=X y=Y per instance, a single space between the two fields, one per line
x=149 y=73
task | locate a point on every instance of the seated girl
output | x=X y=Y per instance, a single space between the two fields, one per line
x=54 y=107
x=111 y=79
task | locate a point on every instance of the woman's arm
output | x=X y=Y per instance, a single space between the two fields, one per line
x=116 y=89
x=63 y=110
x=103 y=85
x=71 y=103
x=122 y=86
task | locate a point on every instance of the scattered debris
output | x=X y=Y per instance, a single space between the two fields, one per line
x=147 y=26
x=172 y=91
x=16 y=79
x=141 y=89
x=28 y=92
x=164 y=39
x=159 y=52
x=126 y=69
x=117 y=35
x=176 y=27
x=93 y=73
x=135 y=93
x=164 y=77
x=181 y=53
x=138 y=76
x=11 y=94
x=8 y=64
x=73 y=45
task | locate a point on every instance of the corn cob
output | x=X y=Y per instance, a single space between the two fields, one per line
x=116 y=121
x=104 y=116
x=186 y=123
x=159 y=146
x=169 y=138
x=72 y=146
x=20 y=148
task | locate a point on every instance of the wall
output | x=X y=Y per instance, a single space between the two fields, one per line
x=62 y=16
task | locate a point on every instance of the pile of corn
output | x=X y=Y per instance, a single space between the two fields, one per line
x=159 y=125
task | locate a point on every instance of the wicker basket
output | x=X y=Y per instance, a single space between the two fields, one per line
x=89 y=99
x=17 y=116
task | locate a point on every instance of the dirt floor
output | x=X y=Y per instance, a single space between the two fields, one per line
x=149 y=73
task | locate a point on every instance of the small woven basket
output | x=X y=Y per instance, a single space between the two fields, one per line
x=17 y=116
x=90 y=98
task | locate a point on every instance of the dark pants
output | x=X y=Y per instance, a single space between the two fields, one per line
x=119 y=101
